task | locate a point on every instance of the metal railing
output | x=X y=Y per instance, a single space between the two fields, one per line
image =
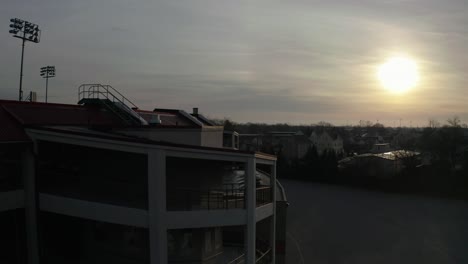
x=100 y=91
x=229 y=197
x=264 y=195
x=239 y=260
x=262 y=258
x=108 y=94
x=263 y=251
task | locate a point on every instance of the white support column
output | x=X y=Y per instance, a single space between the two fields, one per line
x=30 y=208
x=251 y=204
x=157 y=206
x=273 y=217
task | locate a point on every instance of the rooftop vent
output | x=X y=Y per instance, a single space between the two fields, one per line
x=195 y=111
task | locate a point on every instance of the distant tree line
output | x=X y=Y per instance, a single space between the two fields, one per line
x=445 y=145
x=312 y=166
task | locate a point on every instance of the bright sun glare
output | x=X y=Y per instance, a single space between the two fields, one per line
x=398 y=74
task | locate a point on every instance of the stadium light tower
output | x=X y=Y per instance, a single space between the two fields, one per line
x=26 y=31
x=47 y=72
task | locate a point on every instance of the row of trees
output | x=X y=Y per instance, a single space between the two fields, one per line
x=447 y=144
x=444 y=146
x=311 y=167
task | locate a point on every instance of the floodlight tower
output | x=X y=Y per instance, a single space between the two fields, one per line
x=47 y=72
x=26 y=31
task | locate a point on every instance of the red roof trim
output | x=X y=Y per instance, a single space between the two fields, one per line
x=37 y=103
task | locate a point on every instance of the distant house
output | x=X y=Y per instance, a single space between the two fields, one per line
x=250 y=142
x=381 y=165
x=324 y=141
x=372 y=138
x=290 y=145
x=231 y=139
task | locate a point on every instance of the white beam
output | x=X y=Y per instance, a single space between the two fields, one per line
x=197 y=154
x=136 y=147
x=28 y=169
x=263 y=212
x=87 y=141
x=273 y=218
x=93 y=210
x=251 y=204
x=157 y=206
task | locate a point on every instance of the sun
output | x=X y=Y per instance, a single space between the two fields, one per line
x=398 y=74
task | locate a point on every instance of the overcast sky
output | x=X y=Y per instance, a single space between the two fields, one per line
x=260 y=61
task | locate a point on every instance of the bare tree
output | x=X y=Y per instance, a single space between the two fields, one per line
x=365 y=123
x=324 y=124
x=433 y=123
x=454 y=121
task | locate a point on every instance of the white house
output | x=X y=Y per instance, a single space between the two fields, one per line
x=324 y=141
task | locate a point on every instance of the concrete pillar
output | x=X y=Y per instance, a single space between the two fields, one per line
x=251 y=205
x=157 y=206
x=273 y=217
x=29 y=178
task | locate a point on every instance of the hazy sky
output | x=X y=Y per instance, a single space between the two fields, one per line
x=259 y=61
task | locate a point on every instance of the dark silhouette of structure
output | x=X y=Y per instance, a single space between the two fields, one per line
x=105 y=182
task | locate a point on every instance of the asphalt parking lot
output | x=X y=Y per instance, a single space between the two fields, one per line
x=337 y=225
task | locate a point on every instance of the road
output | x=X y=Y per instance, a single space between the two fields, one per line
x=339 y=225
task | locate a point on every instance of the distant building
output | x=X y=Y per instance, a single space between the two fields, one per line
x=231 y=139
x=323 y=141
x=372 y=138
x=381 y=165
x=291 y=145
x=251 y=142
x=105 y=182
x=380 y=148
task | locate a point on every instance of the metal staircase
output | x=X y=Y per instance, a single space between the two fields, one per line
x=112 y=100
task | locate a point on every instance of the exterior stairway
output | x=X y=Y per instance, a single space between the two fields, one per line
x=109 y=98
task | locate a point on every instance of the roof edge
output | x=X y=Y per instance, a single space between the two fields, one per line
x=146 y=141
